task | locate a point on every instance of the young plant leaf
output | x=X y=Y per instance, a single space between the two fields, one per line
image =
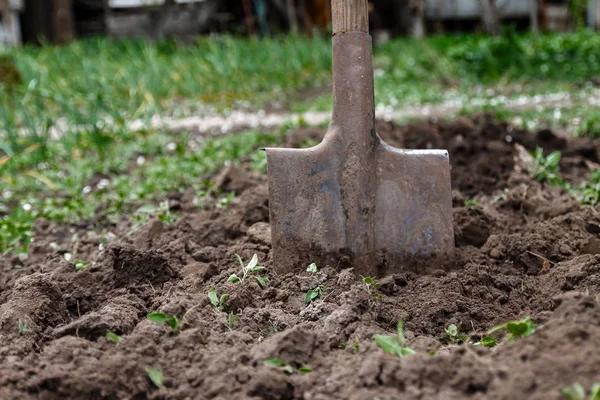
x=253 y=263
x=263 y=281
x=311 y=295
x=304 y=369
x=488 y=341
x=234 y=279
x=275 y=362
x=312 y=268
x=114 y=337
x=156 y=376
x=400 y=328
x=576 y=392
x=233 y=319
x=173 y=322
x=157 y=317
x=389 y=344
x=240 y=260
x=214 y=299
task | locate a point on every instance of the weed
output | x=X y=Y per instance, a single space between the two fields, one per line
x=589 y=193
x=312 y=268
x=80 y=265
x=578 y=392
x=23 y=328
x=225 y=201
x=312 y=294
x=371 y=285
x=285 y=367
x=249 y=269
x=394 y=345
x=486 y=341
x=232 y=320
x=219 y=303
x=156 y=376
x=453 y=335
x=143 y=214
x=472 y=203
x=114 y=337
x=546 y=168
x=516 y=329
x=162 y=318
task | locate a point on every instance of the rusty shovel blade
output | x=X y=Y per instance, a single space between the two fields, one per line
x=353 y=200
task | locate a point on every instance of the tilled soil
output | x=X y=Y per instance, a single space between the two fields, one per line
x=524 y=250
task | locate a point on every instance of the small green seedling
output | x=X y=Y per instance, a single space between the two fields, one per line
x=143 y=214
x=80 y=265
x=453 y=335
x=161 y=318
x=249 y=269
x=575 y=392
x=312 y=268
x=314 y=293
x=23 y=328
x=156 y=376
x=371 y=285
x=114 y=337
x=472 y=203
x=578 y=392
x=285 y=367
x=216 y=301
x=486 y=341
x=232 y=320
x=394 y=345
x=225 y=201
x=546 y=168
x=516 y=329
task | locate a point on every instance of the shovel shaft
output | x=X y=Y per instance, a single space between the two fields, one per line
x=350 y=16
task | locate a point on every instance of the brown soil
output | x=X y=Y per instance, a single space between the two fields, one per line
x=527 y=250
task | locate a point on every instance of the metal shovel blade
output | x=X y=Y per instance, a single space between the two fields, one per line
x=353 y=200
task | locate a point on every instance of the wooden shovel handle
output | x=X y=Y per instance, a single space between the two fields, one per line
x=350 y=16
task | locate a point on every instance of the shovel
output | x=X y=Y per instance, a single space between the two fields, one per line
x=353 y=200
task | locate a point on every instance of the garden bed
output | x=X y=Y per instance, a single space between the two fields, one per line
x=523 y=249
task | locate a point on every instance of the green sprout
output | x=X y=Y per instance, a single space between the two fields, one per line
x=314 y=293
x=472 y=203
x=516 y=329
x=156 y=376
x=285 y=367
x=371 y=285
x=143 y=214
x=162 y=318
x=486 y=341
x=216 y=301
x=23 y=328
x=114 y=337
x=80 y=265
x=225 y=201
x=312 y=268
x=546 y=168
x=232 y=320
x=453 y=335
x=394 y=345
x=578 y=392
x=249 y=269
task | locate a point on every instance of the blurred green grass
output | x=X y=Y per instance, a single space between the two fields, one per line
x=89 y=90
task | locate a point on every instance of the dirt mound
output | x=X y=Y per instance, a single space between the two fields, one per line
x=522 y=249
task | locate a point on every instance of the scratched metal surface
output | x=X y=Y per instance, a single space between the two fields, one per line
x=353 y=200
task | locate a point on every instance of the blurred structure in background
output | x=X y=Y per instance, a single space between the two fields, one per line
x=10 y=26
x=59 y=21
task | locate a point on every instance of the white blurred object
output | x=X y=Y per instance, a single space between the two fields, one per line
x=471 y=9
x=145 y=3
x=10 y=27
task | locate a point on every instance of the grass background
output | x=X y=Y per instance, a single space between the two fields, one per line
x=67 y=155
